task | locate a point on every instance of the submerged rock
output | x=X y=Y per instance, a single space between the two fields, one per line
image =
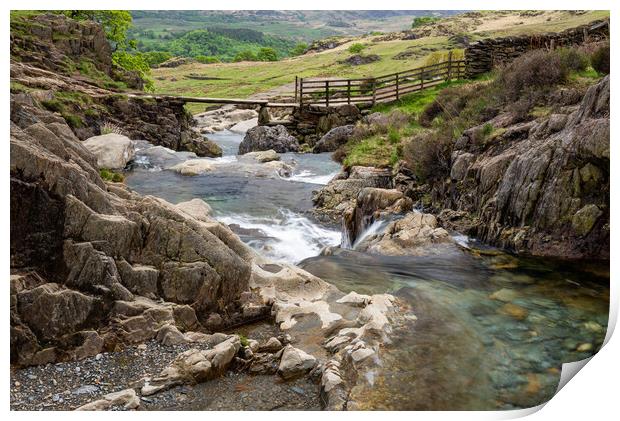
x=194 y=167
x=112 y=150
x=262 y=138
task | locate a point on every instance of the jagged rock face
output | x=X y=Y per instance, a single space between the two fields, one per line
x=60 y=44
x=539 y=187
x=263 y=138
x=48 y=40
x=90 y=257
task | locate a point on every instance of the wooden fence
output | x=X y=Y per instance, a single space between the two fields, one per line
x=372 y=90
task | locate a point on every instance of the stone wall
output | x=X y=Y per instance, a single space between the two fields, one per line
x=309 y=123
x=482 y=56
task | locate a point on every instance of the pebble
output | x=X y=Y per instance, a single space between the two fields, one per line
x=98 y=357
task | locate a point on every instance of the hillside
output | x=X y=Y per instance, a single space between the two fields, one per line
x=396 y=52
x=299 y=25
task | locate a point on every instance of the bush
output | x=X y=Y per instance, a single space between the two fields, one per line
x=600 y=59
x=267 y=54
x=356 y=48
x=134 y=63
x=530 y=74
x=155 y=58
x=423 y=20
x=299 y=49
x=109 y=175
x=573 y=60
x=428 y=154
x=206 y=59
x=245 y=56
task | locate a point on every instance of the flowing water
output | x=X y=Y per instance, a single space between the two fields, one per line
x=493 y=330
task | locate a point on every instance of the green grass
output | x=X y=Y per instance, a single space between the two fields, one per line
x=109 y=175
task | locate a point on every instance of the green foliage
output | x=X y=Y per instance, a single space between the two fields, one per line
x=109 y=175
x=114 y=22
x=267 y=54
x=246 y=55
x=356 y=48
x=135 y=63
x=225 y=44
x=243 y=340
x=600 y=59
x=299 y=49
x=74 y=121
x=424 y=20
x=206 y=59
x=441 y=56
x=155 y=58
x=53 y=105
x=393 y=135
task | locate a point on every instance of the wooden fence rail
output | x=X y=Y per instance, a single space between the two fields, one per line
x=371 y=90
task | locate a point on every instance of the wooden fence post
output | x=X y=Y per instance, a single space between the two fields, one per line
x=327 y=93
x=374 y=91
x=449 y=65
x=349 y=91
x=422 y=76
x=301 y=92
x=296 y=80
x=397 y=82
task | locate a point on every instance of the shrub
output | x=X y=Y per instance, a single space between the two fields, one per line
x=356 y=48
x=109 y=175
x=573 y=60
x=428 y=154
x=423 y=20
x=366 y=86
x=530 y=73
x=600 y=59
x=246 y=55
x=299 y=49
x=394 y=135
x=53 y=105
x=267 y=54
x=206 y=59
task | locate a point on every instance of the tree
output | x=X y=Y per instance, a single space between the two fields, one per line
x=299 y=49
x=356 y=48
x=246 y=55
x=267 y=54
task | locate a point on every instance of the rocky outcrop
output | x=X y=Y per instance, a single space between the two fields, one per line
x=539 y=187
x=65 y=66
x=359 y=59
x=108 y=252
x=372 y=204
x=263 y=138
x=333 y=139
x=112 y=150
x=415 y=234
x=339 y=196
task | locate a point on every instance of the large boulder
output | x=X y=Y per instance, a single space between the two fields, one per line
x=333 y=139
x=262 y=138
x=295 y=363
x=203 y=147
x=112 y=150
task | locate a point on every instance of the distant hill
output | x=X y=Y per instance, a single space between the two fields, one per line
x=224 y=34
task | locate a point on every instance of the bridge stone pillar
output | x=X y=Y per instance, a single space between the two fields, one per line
x=263 y=116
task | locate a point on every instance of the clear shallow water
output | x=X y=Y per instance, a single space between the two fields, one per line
x=270 y=213
x=492 y=329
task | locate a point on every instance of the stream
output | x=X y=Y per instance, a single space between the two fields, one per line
x=493 y=330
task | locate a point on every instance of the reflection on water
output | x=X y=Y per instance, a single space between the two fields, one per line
x=492 y=329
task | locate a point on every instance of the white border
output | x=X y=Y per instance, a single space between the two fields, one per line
x=592 y=394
